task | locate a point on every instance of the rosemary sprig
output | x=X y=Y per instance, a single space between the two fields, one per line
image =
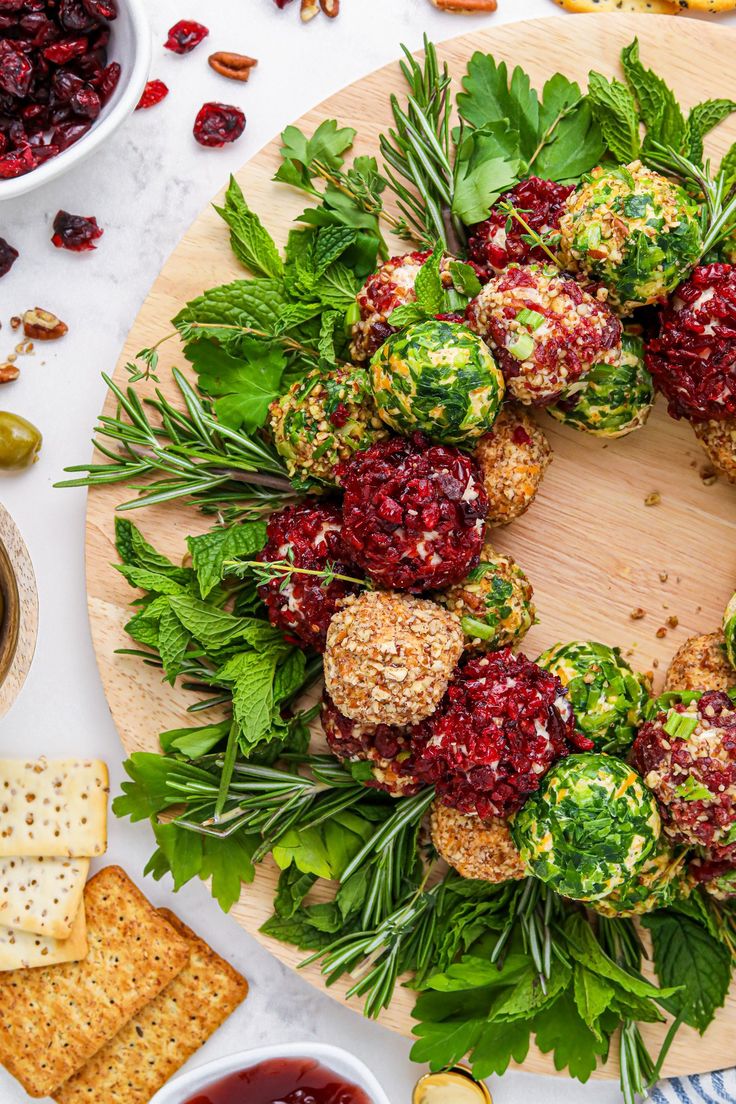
x=184 y=454
x=534 y=909
x=418 y=152
x=717 y=192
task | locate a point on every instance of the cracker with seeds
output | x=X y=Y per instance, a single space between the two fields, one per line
x=21 y=950
x=651 y=7
x=708 y=5
x=53 y=807
x=54 y=1019
x=141 y=1058
x=41 y=895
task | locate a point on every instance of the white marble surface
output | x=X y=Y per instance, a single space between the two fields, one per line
x=146 y=187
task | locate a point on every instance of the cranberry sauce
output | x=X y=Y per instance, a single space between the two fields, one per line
x=282 y=1081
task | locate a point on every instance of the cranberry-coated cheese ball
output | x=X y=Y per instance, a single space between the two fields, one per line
x=700 y=664
x=413 y=513
x=481 y=849
x=386 y=748
x=693 y=358
x=500 y=727
x=309 y=536
x=545 y=330
x=501 y=240
x=512 y=459
x=389 y=657
x=718 y=878
x=687 y=756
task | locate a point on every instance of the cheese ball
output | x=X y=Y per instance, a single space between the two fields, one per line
x=544 y=330
x=479 y=849
x=589 y=828
x=323 y=419
x=718 y=438
x=729 y=632
x=687 y=756
x=494 y=602
x=439 y=378
x=657 y=883
x=693 y=356
x=385 y=748
x=613 y=399
x=717 y=878
x=700 y=664
x=512 y=459
x=501 y=725
x=389 y=657
x=631 y=230
x=607 y=696
x=413 y=513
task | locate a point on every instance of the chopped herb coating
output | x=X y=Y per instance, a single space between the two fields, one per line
x=658 y=882
x=494 y=602
x=589 y=827
x=612 y=400
x=729 y=632
x=632 y=230
x=439 y=378
x=607 y=696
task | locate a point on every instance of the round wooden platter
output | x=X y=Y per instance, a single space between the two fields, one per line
x=592 y=547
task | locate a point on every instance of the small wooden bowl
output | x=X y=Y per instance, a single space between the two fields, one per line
x=18 y=611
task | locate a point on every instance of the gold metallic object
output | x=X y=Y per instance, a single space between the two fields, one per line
x=18 y=612
x=452 y=1086
x=9 y=613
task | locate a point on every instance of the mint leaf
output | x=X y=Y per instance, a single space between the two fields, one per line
x=149 y=580
x=244 y=383
x=251 y=675
x=194 y=742
x=216 y=629
x=465 y=279
x=701 y=119
x=686 y=955
x=243 y=304
x=212 y=550
x=135 y=550
x=173 y=640
x=615 y=111
x=251 y=243
x=293 y=887
x=560 y=1029
x=728 y=164
x=289 y=676
x=428 y=284
x=659 y=110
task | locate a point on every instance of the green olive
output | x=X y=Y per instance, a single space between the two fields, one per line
x=20 y=442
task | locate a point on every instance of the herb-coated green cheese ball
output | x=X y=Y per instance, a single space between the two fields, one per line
x=632 y=230
x=612 y=399
x=729 y=630
x=323 y=419
x=589 y=827
x=439 y=378
x=607 y=696
x=494 y=602
x=659 y=881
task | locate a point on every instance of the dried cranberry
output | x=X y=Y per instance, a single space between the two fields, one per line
x=17 y=163
x=66 y=134
x=502 y=240
x=8 y=257
x=11 y=5
x=308 y=536
x=499 y=728
x=75 y=232
x=154 y=92
x=64 y=84
x=185 y=35
x=693 y=358
x=86 y=102
x=281 y=3
x=108 y=81
x=63 y=51
x=413 y=513
x=16 y=70
x=217 y=124
x=74 y=16
x=101 y=9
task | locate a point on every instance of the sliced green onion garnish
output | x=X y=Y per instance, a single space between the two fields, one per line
x=522 y=348
x=680 y=725
x=531 y=318
x=471 y=626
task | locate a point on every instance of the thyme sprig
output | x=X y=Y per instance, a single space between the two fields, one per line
x=532 y=236
x=266 y=571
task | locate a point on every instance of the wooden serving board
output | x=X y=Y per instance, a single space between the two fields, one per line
x=590 y=545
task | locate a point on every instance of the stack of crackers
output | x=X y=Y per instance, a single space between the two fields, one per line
x=53 y=820
x=654 y=7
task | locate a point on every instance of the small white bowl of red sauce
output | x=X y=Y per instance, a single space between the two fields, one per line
x=268 y=1075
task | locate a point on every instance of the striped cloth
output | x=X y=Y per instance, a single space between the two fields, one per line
x=701 y=1088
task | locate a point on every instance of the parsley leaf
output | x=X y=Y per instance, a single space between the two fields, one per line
x=561 y=1030
x=244 y=385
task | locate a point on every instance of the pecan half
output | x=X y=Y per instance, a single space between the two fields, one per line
x=466 y=7
x=309 y=9
x=233 y=66
x=42 y=325
x=331 y=8
x=8 y=373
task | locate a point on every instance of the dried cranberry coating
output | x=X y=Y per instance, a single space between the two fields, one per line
x=154 y=92
x=217 y=124
x=8 y=257
x=413 y=513
x=391 y=286
x=77 y=233
x=388 y=748
x=185 y=35
x=309 y=536
x=54 y=77
x=499 y=728
x=693 y=358
x=693 y=774
x=501 y=240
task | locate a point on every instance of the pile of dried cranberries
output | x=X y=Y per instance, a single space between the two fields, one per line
x=54 y=77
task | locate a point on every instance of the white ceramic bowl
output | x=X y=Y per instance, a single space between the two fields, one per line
x=130 y=45
x=182 y=1088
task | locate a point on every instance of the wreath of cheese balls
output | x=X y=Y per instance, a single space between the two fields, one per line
x=561 y=769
